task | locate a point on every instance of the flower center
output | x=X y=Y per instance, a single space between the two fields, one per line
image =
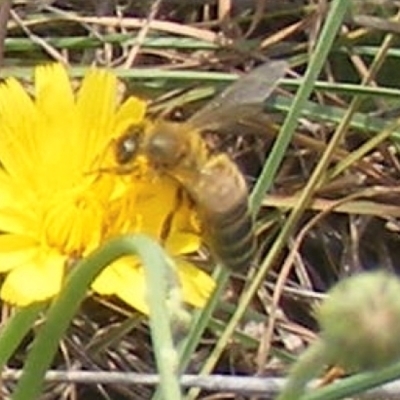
x=73 y=220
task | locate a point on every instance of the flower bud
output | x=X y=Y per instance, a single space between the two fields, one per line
x=360 y=321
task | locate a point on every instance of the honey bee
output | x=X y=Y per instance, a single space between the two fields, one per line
x=214 y=182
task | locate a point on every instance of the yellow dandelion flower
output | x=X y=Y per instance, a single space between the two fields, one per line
x=57 y=205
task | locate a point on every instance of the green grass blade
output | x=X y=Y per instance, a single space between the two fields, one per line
x=15 y=329
x=334 y=19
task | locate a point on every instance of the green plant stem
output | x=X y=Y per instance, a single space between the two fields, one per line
x=306 y=367
x=349 y=387
x=63 y=309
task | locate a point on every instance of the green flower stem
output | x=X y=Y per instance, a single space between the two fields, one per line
x=307 y=367
x=68 y=301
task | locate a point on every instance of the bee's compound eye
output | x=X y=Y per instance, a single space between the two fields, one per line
x=127 y=147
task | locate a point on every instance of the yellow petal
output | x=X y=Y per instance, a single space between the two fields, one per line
x=155 y=203
x=18 y=219
x=184 y=235
x=36 y=281
x=15 y=251
x=96 y=107
x=11 y=191
x=17 y=207
x=17 y=144
x=52 y=83
x=131 y=112
x=197 y=286
x=124 y=279
x=182 y=243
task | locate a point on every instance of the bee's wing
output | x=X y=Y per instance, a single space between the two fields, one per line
x=241 y=99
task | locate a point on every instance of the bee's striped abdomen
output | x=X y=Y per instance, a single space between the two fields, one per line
x=231 y=238
x=221 y=195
